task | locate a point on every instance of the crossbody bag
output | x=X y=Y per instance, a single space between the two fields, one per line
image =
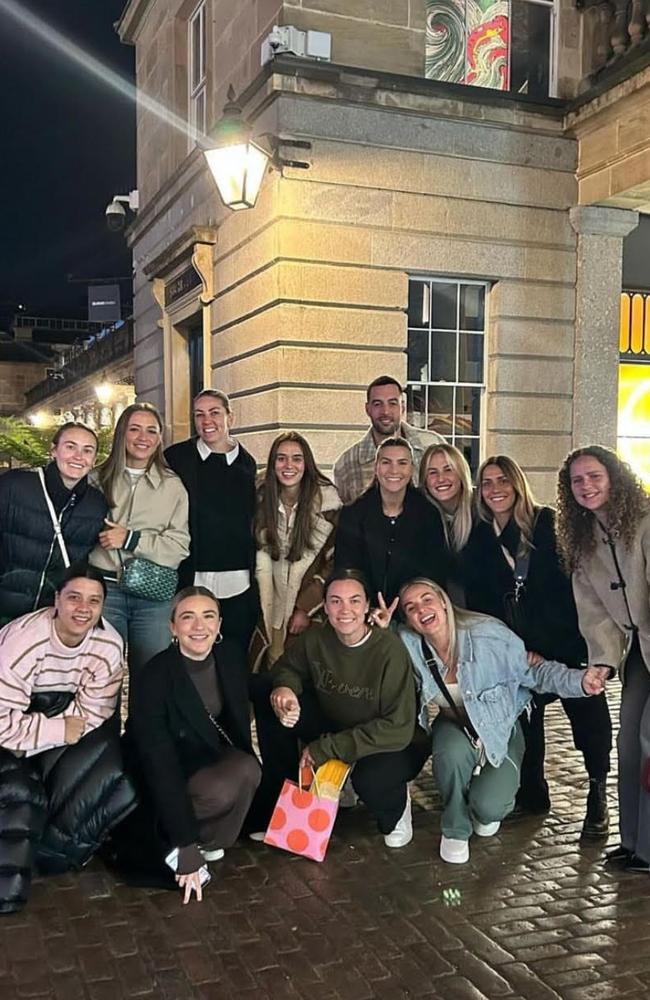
x=461 y=720
x=56 y=521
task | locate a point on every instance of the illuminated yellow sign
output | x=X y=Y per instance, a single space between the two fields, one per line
x=634 y=418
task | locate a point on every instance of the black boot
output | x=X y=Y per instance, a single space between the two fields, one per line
x=596 y=822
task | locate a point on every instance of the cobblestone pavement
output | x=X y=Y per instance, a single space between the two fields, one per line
x=537 y=917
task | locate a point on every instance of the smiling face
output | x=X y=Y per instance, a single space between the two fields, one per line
x=141 y=438
x=590 y=483
x=394 y=469
x=212 y=421
x=196 y=626
x=442 y=482
x=425 y=612
x=289 y=464
x=78 y=608
x=385 y=410
x=346 y=607
x=74 y=453
x=497 y=492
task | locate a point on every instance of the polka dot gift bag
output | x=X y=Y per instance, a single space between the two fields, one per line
x=303 y=819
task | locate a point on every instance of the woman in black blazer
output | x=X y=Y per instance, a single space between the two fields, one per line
x=391 y=533
x=189 y=727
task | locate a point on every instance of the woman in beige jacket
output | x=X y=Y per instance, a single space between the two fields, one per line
x=297 y=511
x=147 y=521
x=603 y=528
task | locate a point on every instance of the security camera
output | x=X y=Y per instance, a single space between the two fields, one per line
x=115 y=216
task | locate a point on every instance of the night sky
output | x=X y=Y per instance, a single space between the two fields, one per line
x=68 y=145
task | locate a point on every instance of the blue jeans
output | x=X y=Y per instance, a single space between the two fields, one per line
x=143 y=625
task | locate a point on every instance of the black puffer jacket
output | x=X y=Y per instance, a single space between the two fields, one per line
x=57 y=807
x=31 y=564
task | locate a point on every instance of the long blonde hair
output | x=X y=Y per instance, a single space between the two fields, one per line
x=525 y=506
x=459 y=530
x=458 y=619
x=111 y=470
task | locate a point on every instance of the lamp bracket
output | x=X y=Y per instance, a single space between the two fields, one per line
x=278 y=162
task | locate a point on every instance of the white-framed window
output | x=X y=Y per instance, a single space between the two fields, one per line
x=445 y=359
x=196 y=64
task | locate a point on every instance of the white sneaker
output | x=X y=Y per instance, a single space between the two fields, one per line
x=403 y=832
x=454 y=852
x=486 y=829
x=213 y=855
x=257 y=835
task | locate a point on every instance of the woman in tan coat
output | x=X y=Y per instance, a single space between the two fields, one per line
x=603 y=529
x=147 y=521
x=297 y=511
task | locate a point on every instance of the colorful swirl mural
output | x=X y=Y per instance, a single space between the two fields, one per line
x=445 y=40
x=467 y=41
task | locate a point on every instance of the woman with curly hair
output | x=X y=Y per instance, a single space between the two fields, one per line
x=297 y=511
x=604 y=539
x=512 y=571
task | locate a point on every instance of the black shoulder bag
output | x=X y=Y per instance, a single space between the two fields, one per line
x=461 y=720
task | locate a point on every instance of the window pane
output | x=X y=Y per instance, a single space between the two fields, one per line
x=418 y=356
x=471 y=449
x=440 y=410
x=468 y=410
x=419 y=303
x=416 y=405
x=445 y=297
x=470 y=357
x=443 y=357
x=472 y=307
x=530 y=48
x=197 y=42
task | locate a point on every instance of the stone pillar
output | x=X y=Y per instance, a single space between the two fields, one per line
x=598 y=294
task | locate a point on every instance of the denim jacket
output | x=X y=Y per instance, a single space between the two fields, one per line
x=495 y=680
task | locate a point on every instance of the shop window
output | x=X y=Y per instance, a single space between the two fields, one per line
x=500 y=44
x=445 y=351
x=197 y=78
x=634 y=383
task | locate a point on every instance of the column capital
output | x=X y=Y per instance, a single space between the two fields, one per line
x=599 y=220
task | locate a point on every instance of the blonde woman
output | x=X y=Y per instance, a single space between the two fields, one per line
x=512 y=571
x=147 y=520
x=604 y=536
x=476 y=738
x=446 y=480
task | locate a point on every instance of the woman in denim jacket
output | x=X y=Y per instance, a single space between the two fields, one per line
x=478 y=745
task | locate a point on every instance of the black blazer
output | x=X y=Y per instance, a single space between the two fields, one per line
x=390 y=555
x=548 y=607
x=172 y=736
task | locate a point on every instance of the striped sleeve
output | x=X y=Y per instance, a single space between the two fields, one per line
x=99 y=684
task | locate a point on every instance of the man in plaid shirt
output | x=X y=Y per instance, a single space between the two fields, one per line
x=354 y=469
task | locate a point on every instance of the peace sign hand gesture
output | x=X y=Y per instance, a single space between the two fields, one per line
x=382 y=615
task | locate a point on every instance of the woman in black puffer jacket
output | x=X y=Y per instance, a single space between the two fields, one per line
x=62 y=785
x=31 y=559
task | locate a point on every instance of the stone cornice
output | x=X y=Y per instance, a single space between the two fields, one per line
x=130 y=20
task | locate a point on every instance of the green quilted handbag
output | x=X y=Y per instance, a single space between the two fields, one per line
x=147 y=579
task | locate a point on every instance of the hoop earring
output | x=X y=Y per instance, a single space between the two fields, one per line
x=219 y=639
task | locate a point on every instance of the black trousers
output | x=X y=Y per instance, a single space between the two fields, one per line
x=379 y=780
x=591 y=726
x=239 y=616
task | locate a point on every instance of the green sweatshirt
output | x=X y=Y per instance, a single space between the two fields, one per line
x=367 y=692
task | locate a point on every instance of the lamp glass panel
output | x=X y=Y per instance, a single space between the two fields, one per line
x=238 y=172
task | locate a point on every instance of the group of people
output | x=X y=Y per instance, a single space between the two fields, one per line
x=392 y=613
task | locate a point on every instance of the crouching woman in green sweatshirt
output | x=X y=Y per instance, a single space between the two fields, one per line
x=346 y=691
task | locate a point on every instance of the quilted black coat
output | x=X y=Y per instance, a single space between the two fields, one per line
x=31 y=564
x=57 y=807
